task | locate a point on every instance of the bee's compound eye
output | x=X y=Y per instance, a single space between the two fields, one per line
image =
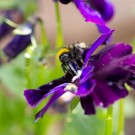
x=64 y=57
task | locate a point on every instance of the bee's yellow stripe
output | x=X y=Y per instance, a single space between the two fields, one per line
x=61 y=51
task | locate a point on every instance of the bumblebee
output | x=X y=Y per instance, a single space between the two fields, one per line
x=71 y=58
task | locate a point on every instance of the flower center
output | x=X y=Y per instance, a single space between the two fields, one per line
x=71 y=87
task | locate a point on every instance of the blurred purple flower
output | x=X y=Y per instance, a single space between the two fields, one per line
x=19 y=42
x=14 y=15
x=96 y=11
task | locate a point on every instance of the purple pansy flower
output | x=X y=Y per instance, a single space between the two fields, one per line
x=96 y=11
x=15 y=16
x=111 y=72
x=20 y=41
x=90 y=84
x=100 y=81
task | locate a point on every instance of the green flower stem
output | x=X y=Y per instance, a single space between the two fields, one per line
x=38 y=128
x=34 y=43
x=121 y=118
x=44 y=40
x=59 y=39
x=109 y=118
x=27 y=73
x=28 y=54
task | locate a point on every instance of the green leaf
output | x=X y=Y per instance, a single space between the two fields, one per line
x=79 y=124
x=74 y=103
x=12 y=75
x=84 y=125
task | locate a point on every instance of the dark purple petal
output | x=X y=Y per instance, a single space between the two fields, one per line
x=86 y=88
x=54 y=97
x=128 y=62
x=90 y=14
x=87 y=105
x=118 y=71
x=5 y=29
x=103 y=7
x=131 y=81
x=34 y=97
x=15 y=15
x=96 y=44
x=19 y=42
x=106 y=94
x=17 y=45
x=65 y=79
x=111 y=52
x=108 y=11
x=96 y=11
x=113 y=73
x=132 y=66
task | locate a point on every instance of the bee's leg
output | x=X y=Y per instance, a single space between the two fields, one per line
x=64 y=68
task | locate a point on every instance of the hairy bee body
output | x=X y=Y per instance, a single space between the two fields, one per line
x=71 y=58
